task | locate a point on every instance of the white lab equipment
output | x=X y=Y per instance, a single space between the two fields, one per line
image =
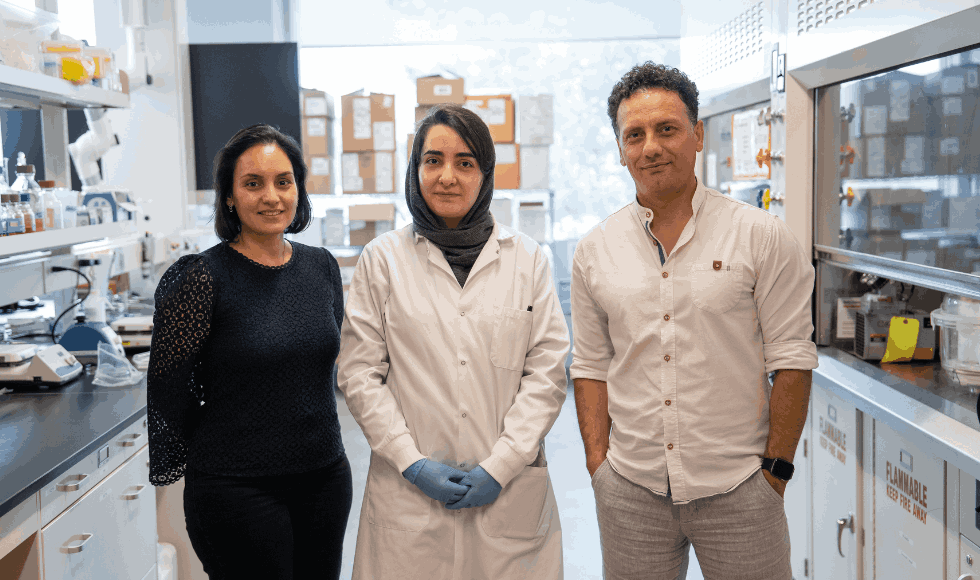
x=32 y=365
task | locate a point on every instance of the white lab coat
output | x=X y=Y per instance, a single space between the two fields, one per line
x=463 y=376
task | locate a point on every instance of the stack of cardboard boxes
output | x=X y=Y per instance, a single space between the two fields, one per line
x=434 y=90
x=368 y=128
x=317 y=108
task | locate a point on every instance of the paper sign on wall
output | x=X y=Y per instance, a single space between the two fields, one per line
x=748 y=137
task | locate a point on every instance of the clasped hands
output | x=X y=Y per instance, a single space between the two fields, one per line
x=452 y=487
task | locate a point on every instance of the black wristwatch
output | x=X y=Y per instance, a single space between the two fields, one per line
x=779 y=468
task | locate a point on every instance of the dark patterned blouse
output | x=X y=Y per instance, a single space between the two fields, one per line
x=241 y=376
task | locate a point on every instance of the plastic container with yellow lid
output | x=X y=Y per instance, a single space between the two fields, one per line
x=959 y=322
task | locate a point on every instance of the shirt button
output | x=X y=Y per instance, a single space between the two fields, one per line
x=666 y=317
x=667 y=402
x=462 y=465
x=665 y=274
x=648 y=214
x=670 y=446
x=462 y=363
x=666 y=358
x=464 y=415
x=462 y=314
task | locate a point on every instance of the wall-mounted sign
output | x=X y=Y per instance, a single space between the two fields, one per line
x=751 y=142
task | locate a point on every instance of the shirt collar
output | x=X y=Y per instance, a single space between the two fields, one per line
x=646 y=215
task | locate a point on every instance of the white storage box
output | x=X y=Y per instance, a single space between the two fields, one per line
x=959 y=322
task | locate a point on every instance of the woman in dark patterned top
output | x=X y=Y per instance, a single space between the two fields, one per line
x=240 y=386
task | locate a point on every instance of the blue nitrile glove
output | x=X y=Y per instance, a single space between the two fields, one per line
x=484 y=489
x=438 y=481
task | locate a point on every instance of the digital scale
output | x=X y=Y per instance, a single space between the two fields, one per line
x=32 y=365
x=135 y=331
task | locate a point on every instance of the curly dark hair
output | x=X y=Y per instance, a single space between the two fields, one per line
x=650 y=75
x=227 y=225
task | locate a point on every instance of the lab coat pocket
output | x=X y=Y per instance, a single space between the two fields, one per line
x=716 y=288
x=517 y=511
x=511 y=332
x=390 y=501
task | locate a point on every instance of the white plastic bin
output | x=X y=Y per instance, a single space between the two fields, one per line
x=959 y=322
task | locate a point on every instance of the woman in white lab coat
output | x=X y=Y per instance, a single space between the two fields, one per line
x=452 y=362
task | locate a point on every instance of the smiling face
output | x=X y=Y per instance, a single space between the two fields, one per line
x=264 y=194
x=449 y=176
x=658 y=143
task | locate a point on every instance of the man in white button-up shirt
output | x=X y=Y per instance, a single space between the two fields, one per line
x=683 y=303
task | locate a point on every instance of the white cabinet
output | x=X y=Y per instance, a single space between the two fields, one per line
x=110 y=533
x=798 y=502
x=969 y=560
x=908 y=508
x=836 y=480
x=969 y=503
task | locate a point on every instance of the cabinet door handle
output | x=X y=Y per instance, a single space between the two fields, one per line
x=135 y=494
x=967 y=577
x=842 y=523
x=72 y=482
x=131 y=439
x=78 y=547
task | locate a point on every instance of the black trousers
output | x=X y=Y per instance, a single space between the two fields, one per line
x=285 y=527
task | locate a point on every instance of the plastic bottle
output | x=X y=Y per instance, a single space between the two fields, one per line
x=26 y=186
x=4 y=216
x=15 y=219
x=54 y=218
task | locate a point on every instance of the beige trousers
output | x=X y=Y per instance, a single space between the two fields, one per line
x=738 y=535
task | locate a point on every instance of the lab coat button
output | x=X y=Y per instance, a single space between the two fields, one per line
x=665 y=274
x=667 y=357
x=462 y=314
x=462 y=362
x=667 y=402
x=666 y=317
x=464 y=415
x=670 y=446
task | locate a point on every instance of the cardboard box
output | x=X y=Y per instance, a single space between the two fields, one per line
x=368 y=172
x=316 y=136
x=368 y=123
x=370 y=221
x=497 y=112
x=500 y=208
x=535 y=166
x=435 y=89
x=533 y=218
x=316 y=103
x=537 y=119
x=507 y=172
x=318 y=172
x=420 y=112
x=332 y=229
x=347 y=264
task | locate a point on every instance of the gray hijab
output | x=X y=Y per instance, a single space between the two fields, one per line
x=462 y=245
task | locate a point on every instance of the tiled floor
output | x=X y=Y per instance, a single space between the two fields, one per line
x=566 y=460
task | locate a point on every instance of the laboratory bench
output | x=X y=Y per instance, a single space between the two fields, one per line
x=75 y=499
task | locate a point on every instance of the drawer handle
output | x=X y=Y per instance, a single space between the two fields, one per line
x=966 y=577
x=135 y=494
x=72 y=482
x=842 y=524
x=131 y=439
x=83 y=538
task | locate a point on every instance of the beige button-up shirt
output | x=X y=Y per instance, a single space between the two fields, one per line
x=685 y=347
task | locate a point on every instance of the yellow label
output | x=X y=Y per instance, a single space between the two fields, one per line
x=903 y=333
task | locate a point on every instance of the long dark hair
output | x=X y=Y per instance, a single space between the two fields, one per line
x=468 y=125
x=227 y=223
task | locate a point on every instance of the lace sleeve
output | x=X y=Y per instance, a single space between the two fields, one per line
x=181 y=324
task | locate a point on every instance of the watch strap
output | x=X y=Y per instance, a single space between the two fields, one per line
x=779 y=468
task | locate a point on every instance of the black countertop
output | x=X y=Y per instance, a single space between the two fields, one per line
x=43 y=433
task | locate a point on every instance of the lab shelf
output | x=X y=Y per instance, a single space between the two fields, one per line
x=26 y=89
x=13 y=246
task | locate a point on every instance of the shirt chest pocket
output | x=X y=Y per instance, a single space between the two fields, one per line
x=511 y=333
x=717 y=289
